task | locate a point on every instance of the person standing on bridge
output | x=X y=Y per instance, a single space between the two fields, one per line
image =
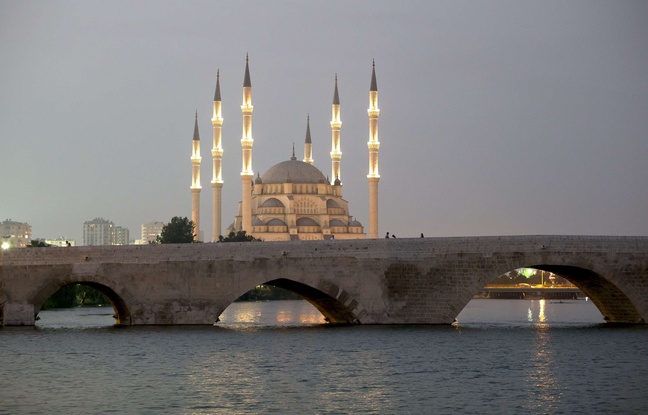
x=387 y=235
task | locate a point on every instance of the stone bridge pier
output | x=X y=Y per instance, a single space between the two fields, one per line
x=383 y=281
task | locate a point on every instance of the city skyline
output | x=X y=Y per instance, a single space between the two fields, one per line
x=496 y=118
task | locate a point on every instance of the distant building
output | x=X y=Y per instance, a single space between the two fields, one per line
x=97 y=232
x=100 y=231
x=61 y=242
x=16 y=234
x=150 y=231
x=120 y=236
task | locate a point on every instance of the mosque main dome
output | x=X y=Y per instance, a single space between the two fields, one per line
x=293 y=171
x=293 y=200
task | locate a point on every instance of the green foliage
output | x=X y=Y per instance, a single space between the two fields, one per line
x=178 y=231
x=240 y=236
x=511 y=278
x=268 y=292
x=529 y=276
x=37 y=244
x=76 y=295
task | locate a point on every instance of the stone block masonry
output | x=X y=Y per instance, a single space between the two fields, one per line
x=377 y=281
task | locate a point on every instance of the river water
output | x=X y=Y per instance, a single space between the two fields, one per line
x=502 y=357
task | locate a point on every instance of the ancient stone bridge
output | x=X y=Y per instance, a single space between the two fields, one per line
x=384 y=281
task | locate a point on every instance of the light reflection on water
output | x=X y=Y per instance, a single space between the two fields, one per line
x=289 y=313
x=529 y=313
x=542 y=382
x=502 y=356
x=479 y=312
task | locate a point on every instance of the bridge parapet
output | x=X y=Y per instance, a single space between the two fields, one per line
x=369 y=248
x=383 y=281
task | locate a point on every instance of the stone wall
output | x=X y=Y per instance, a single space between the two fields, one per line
x=380 y=281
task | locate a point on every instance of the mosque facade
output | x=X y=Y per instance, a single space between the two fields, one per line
x=292 y=200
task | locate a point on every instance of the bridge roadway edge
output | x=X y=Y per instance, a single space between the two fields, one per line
x=395 y=281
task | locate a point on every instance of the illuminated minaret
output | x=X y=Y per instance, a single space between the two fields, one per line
x=247 y=174
x=195 y=179
x=373 y=145
x=308 y=145
x=217 y=155
x=336 y=154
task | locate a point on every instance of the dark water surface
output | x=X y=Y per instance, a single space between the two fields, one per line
x=503 y=357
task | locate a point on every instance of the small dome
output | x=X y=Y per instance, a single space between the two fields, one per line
x=337 y=182
x=272 y=202
x=258 y=222
x=332 y=204
x=337 y=222
x=293 y=171
x=355 y=224
x=276 y=222
x=306 y=222
x=258 y=180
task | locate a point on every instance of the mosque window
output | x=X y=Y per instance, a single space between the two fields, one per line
x=305 y=206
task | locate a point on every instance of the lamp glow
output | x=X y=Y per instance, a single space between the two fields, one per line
x=5 y=245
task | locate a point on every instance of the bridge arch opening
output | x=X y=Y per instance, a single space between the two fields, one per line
x=321 y=308
x=82 y=293
x=558 y=283
x=614 y=304
x=332 y=308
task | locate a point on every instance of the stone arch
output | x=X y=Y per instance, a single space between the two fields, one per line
x=335 y=304
x=122 y=312
x=614 y=303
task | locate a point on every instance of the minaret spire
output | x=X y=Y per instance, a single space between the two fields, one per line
x=373 y=145
x=217 y=94
x=247 y=174
x=308 y=145
x=195 y=179
x=196 y=135
x=336 y=124
x=336 y=96
x=374 y=84
x=217 y=156
x=246 y=79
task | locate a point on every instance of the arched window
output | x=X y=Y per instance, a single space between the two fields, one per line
x=305 y=206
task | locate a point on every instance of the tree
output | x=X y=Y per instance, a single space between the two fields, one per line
x=240 y=236
x=76 y=295
x=35 y=243
x=178 y=231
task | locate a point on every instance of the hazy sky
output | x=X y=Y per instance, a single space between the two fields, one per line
x=497 y=117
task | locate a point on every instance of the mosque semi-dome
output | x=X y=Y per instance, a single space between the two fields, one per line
x=355 y=224
x=293 y=171
x=272 y=202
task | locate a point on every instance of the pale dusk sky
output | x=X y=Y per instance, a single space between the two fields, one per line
x=497 y=117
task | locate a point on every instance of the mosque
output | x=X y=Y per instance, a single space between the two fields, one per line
x=292 y=200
